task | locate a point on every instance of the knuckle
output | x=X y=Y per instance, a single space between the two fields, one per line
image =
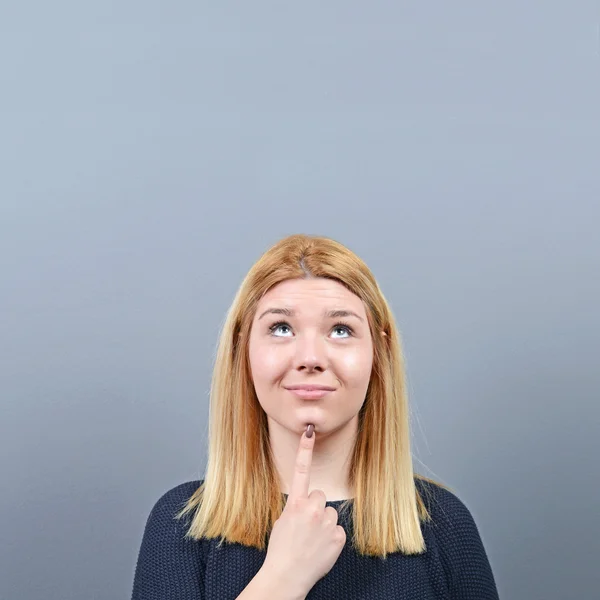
x=320 y=494
x=332 y=514
x=296 y=504
x=302 y=467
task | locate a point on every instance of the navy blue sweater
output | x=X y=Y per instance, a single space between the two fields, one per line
x=454 y=567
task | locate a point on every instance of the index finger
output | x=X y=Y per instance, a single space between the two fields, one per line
x=301 y=476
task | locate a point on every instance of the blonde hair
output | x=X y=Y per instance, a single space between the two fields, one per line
x=240 y=497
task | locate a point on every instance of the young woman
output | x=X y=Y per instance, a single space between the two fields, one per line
x=309 y=489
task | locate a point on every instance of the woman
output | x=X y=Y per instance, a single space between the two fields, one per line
x=309 y=489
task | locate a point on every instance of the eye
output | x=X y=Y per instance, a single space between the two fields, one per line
x=344 y=329
x=281 y=325
x=283 y=329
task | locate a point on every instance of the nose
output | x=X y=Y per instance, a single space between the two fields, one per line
x=310 y=354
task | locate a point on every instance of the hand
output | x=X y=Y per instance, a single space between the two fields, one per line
x=306 y=540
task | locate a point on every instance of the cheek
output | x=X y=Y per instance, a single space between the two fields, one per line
x=355 y=366
x=267 y=363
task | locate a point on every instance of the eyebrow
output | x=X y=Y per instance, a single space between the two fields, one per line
x=330 y=314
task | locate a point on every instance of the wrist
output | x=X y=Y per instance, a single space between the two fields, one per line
x=276 y=588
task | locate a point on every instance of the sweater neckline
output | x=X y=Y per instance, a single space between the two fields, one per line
x=329 y=502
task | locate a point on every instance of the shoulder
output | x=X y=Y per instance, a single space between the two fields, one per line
x=175 y=498
x=163 y=521
x=458 y=542
x=445 y=507
x=452 y=524
x=169 y=564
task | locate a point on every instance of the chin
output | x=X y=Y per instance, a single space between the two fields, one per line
x=304 y=424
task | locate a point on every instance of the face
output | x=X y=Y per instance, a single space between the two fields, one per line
x=311 y=354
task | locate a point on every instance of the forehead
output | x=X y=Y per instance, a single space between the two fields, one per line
x=316 y=292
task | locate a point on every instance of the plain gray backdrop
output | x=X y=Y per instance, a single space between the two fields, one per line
x=150 y=152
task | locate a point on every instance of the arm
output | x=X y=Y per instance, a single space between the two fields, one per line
x=169 y=567
x=462 y=552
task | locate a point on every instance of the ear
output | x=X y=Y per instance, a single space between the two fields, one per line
x=383 y=333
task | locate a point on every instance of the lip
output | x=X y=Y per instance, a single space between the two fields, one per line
x=309 y=387
x=310 y=392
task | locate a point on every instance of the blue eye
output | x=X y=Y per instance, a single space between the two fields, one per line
x=276 y=326
x=282 y=325
x=343 y=327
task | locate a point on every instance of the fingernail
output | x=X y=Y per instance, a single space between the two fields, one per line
x=309 y=430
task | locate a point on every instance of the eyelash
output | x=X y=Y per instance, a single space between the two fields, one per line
x=273 y=327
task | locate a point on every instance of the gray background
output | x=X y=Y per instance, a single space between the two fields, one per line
x=150 y=152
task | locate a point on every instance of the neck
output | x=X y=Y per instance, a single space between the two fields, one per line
x=330 y=461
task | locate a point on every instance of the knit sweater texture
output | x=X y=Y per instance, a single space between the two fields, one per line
x=455 y=565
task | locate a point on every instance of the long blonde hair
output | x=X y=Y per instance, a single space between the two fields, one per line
x=240 y=498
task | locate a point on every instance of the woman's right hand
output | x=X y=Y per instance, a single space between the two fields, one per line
x=306 y=540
